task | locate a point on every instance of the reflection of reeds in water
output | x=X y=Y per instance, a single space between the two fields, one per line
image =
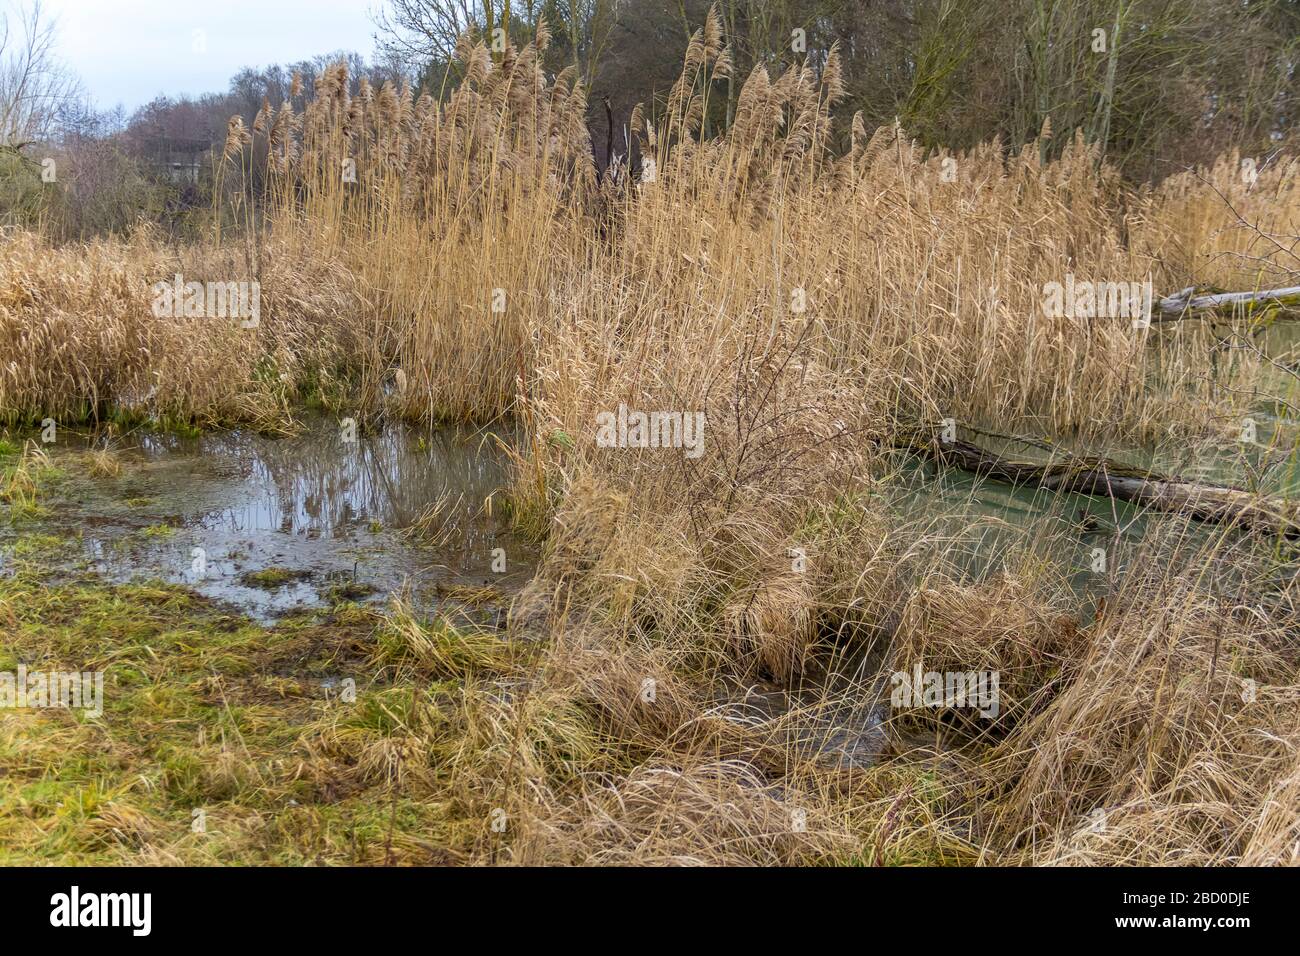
x=316 y=483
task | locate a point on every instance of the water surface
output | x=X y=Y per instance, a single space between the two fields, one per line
x=326 y=516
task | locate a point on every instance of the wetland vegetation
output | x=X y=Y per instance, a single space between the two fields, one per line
x=365 y=587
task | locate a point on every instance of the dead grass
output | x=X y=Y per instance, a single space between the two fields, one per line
x=103 y=463
x=811 y=303
x=82 y=342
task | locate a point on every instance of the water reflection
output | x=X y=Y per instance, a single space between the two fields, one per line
x=213 y=511
x=315 y=483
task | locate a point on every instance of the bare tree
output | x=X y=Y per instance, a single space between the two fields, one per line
x=583 y=28
x=430 y=28
x=35 y=87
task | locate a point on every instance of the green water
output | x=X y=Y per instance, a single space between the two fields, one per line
x=980 y=526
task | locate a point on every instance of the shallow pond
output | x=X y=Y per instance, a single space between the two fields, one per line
x=272 y=524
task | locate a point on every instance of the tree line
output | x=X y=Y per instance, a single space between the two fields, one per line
x=1160 y=84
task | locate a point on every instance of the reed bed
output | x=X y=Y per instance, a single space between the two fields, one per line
x=813 y=292
x=82 y=341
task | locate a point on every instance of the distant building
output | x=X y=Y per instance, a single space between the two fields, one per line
x=180 y=160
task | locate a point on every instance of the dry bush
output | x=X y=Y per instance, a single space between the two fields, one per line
x=1157 y=751
x=103 y=463
x=1231 y=226
x=715 y=814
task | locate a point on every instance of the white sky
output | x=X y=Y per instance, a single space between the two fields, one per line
x=129 y=51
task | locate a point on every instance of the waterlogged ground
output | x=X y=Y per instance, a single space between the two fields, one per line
x=268 y=525
x=253 y=712
x=273 y=525
x=982 y=526
x=232 y=585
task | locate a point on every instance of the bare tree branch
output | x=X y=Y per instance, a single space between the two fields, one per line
x=35 y=87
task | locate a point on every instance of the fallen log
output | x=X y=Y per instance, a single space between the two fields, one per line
x=1102 y=478
x=1177 y=305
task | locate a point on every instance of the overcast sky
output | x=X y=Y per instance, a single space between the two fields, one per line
x=129 y=51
